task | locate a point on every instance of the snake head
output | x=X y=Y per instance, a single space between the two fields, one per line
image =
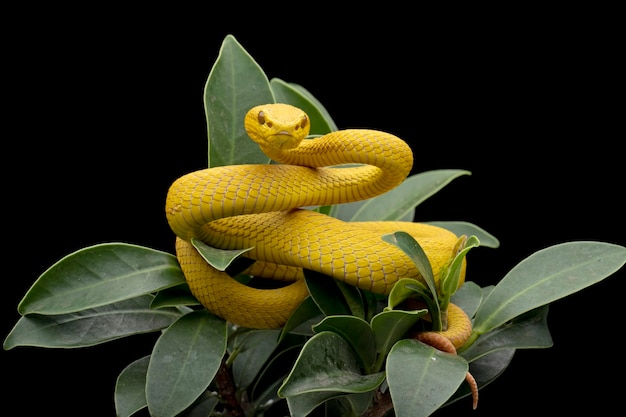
x=277 y=126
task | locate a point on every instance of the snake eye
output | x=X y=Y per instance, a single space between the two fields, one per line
x=261 y=118
x=304 y=122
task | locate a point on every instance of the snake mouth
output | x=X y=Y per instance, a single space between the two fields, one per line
x=281 y=140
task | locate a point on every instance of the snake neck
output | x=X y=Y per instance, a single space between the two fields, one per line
x=306 y=176
x=353 y=146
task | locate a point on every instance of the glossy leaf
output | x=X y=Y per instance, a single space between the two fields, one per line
x=296 y=95
x=391 y=326
x=527 y=331
x=468 y=229
x=203 y=406
x=251 y=349
x=485 y=370
x=422 y=378
x=176 y=296
x=219 y=259
x=326 y=294
x=398 y=204
x=356 y=332
x=100 y=275
x=406 y=288
x=326 y=368
x=414 y=251
x=305 y=315
x=546 y=276
x=468 y=297
x=350 y=405
x=266 y=385
x=90 y=326
x=184 y=361
x=130 y=388
x=450 y=283
x=235 y=84
x=353 y=298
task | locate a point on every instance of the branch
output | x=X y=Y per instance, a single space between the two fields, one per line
x=227 y=391
x=382 y=404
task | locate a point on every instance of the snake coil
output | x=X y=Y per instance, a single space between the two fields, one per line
x=261 y=206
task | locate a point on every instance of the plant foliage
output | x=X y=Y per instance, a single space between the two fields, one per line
x=343 y=346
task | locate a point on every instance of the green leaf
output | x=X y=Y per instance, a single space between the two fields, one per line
x=468 y=297
x=301 y=320
x=546 y=276
x=422 y=378
x=266 y=385
x=326 y=368
x=527 y=331
x=176 y=296
x=90 y=326
x=326 y=293
x=219 y=259
x=398 y=204
x=296 y=95
x=485 y=370
x=235 y=84
x=351 y=405
x=468 y=229
x=203 y=406
x=406 y=288
x=449 y=284
x=252 y=349
x=414 y=251
x=353 y=297
x=130 y=388
x=356 y=332
x=184 y=361
x=390 y=326
x=98 y=275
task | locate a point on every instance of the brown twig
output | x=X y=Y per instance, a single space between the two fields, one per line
x=382 y=404
x=227 y=391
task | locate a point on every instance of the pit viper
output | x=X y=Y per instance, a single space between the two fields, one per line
x=266 y=207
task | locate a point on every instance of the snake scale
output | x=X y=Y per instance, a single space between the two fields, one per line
x=264 y=207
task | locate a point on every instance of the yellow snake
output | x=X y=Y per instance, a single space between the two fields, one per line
x=262 y=206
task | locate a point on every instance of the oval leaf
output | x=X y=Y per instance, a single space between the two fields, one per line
x=422 y=378
x=356 y=332
x=99 y=275
x=176 y=296
x=252 y=349
x=91 y=326
x=321 y=122
x=325 y=369
x=326 y=293
x=468 y=229
x=527 y=331
x=184 y=361
x=485 y=370
x=219 y=259
x=468 y=297
x=130 y=388
x=327 y=364
x=414 y=251
x=392 y=325
x=546 y=276
x=398 y=204
x=304 y=316
x=235 y=84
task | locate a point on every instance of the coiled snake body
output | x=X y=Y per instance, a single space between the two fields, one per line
x=261 y=207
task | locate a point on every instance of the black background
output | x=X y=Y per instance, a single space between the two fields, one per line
x=103 y=110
